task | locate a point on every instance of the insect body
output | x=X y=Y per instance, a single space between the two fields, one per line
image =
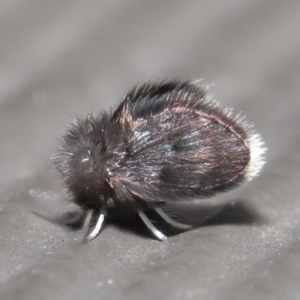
x=167 y=141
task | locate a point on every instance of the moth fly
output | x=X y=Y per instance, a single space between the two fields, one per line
x=167 y=141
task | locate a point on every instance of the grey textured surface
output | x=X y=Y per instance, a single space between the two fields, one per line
x=58 y=58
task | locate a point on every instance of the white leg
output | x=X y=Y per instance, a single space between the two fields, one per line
x=91 y=215
x=97 y=228
x=151 y=227
x=171 y=221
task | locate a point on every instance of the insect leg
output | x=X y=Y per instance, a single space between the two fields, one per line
x=170 y=221
x=100 y=216
x=151 y=227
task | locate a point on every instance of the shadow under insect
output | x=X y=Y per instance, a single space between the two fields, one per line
x=199 y=215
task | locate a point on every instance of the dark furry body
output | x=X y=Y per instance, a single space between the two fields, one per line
x=165 y=142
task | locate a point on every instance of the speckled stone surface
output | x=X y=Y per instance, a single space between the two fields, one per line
x=60 y=58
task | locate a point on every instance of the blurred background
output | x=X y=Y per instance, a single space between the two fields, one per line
x=60 y=58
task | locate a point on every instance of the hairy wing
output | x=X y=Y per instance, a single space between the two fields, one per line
x=179 y=145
